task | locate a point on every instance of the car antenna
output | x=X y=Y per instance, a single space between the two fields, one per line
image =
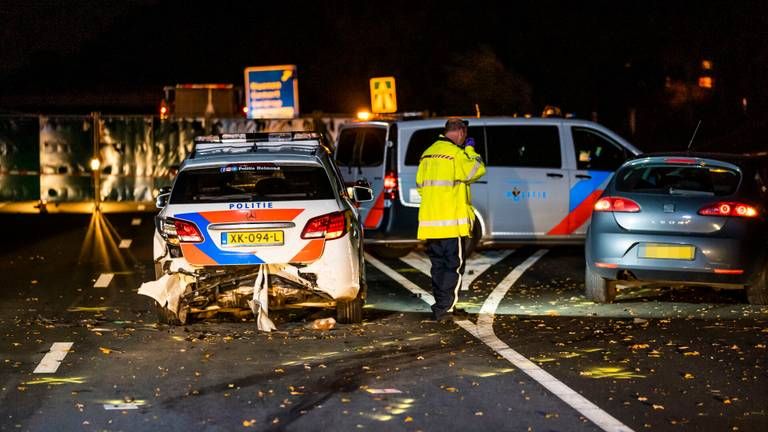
x=690 y=143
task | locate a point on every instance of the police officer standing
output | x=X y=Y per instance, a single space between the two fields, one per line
x=445 y=172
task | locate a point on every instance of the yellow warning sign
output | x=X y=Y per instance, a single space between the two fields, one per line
x=383 y=95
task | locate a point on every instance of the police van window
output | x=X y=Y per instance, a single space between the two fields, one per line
x=372 y=153
x=252 y=182
x=422 y=139
x=524 y=146
x=345 y=151
x=595 y=151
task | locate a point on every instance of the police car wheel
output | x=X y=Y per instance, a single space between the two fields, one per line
x=390 y=252
x=757 y=290
x=351 y=311
x=597 y=288
x=163 y=315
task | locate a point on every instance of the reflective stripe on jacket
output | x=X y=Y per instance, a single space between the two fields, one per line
x=443 y=178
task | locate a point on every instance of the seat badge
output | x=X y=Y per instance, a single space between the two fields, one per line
x=669 y=208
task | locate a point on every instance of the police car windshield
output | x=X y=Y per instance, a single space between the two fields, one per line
x=251 y=182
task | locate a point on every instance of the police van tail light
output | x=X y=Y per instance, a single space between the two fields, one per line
x=390 y=186
x=185 y=232
x=616 y=205
x=329 y=226
x=729 y=209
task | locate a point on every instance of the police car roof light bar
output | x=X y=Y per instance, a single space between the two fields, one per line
x=250 y=142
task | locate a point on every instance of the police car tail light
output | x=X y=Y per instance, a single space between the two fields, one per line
x=390 y=185
x=329 y=226
x=731 y=209
x=616 y=205
x=187 y=232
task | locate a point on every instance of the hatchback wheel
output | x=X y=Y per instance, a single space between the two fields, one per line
x=597 y=288
x=757 y=290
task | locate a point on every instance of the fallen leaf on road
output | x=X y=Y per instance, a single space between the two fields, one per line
x=408 y=419
x=639 y=346
x=688 y=375
x=658 y=407
x=691 y=353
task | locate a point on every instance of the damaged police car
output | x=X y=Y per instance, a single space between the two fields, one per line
x=257 y=221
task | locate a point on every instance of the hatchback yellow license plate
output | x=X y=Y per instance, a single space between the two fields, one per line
x=252 y=238
x=667 y=251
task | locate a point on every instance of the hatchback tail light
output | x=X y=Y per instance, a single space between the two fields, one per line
x=329 y=226
x=616 y=205
x=186 y=232
x=730 y=209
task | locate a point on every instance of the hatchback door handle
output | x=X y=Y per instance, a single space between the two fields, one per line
x=481 y=182
x=554 y=175
x=583 y=176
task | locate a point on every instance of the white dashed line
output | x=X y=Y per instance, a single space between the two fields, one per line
x=125 y=243
x=120 y=407
x=476 y=264
x=136 y=221
x=103 y=280
x=483 y=331
x=52 y=360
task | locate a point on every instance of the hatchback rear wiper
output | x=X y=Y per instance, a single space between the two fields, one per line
x=673 y=191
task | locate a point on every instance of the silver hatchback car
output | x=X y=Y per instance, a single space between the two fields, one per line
x=681 y=219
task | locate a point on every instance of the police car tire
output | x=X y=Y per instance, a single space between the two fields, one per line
x=597 y=288
x=391 y=252
x=757 y=290
x=164 y=316
x=349 y=311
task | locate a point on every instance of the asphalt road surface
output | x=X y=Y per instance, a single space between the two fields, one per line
x=535 y=355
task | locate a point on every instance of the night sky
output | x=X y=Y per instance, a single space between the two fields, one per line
x=593 y=59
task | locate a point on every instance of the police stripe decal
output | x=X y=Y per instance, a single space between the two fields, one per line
x=582 y=198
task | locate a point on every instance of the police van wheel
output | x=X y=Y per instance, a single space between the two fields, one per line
x=391 y=251
x=597 y=288
x=473 y=241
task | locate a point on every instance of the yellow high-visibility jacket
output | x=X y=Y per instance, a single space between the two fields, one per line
x=443 y=178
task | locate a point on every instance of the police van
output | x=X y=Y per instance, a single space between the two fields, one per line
x=543 y=176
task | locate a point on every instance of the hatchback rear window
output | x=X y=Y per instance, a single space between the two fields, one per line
x=678 y=180
x=251 y=182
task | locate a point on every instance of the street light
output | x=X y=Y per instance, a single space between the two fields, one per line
x=95 y=164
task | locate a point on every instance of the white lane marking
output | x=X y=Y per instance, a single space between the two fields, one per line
x=52 y=360
x=476 y=264
x=484 y=332
x=383 y=391
x=125 y=243
x=103 y=280
x=136 y=221
x=122 y=406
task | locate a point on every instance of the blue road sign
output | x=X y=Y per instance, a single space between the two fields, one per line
x=272 y=91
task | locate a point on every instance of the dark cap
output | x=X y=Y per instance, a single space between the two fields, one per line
x=455 y=123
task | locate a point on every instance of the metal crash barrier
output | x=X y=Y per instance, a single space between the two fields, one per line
x=55 y=160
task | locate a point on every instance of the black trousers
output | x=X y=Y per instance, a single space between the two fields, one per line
x=447 y=258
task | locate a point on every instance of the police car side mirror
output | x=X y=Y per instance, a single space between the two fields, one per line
x=162 y=200
x=362 y=194
x=164 y=190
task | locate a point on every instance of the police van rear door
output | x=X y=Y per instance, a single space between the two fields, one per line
x=360 y=154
